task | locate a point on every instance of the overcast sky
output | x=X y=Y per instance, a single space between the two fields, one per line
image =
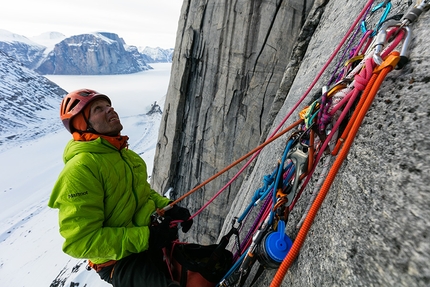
x=150 y=23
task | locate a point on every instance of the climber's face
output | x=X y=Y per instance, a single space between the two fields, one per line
x=103 y=118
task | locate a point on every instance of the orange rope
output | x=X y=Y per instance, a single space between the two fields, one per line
x=296 y=123
x=348 y=127
x=380 y=74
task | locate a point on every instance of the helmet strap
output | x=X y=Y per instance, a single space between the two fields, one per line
x=89 y=126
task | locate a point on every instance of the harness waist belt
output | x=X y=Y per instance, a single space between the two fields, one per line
x=99 y=267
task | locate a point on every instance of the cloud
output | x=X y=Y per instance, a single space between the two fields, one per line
x=139 y=22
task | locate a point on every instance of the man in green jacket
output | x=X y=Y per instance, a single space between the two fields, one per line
x=105 y=201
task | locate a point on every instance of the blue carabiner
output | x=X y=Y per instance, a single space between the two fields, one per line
x=387 y=5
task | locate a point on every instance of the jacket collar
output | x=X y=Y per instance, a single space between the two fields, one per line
x=119 y=141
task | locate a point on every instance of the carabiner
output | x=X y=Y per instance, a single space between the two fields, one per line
x=387 y=5
x=382 y=38
x=299 y=156
x=309 y=113
x=404 y=59
x=235 y=221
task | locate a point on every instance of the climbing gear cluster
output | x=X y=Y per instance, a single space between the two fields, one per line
x=325 y=131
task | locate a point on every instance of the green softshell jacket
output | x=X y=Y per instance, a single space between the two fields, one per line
x=104 y=201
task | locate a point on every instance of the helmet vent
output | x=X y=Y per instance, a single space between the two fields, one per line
x=64 y=106
x=85 y=93
x=74 y=104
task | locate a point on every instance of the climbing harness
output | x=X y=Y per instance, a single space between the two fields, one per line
x=325 y=131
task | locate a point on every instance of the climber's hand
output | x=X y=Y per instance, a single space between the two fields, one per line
x=161 y=235
x=180 y=213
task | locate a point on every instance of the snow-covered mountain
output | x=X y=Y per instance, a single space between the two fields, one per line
x=27 y=99
x=91 y=54
x=21 y=48
x=48 y=39
x=32 y=140
x=98 y=53
x=157 y=55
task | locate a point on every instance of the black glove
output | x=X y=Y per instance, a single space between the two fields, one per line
x=180 y=213
x=161 y=235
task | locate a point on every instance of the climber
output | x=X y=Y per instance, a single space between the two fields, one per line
x=105 y=201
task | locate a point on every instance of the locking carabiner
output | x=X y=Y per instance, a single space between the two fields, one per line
x=299 y=156
x=381 y=41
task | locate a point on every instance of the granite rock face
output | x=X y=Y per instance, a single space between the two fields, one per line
x=238 y=69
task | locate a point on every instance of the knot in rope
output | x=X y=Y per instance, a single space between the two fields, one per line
x=362 y=79
x=267 y=180
x=323 y=116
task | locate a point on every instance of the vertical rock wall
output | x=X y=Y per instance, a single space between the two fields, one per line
x=373 y=227
x=229 y=60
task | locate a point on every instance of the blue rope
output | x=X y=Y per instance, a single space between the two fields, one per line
x=234 y=267
x=259 y=194
x=269 y=184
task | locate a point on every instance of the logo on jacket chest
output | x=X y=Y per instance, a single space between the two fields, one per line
x=73 y=195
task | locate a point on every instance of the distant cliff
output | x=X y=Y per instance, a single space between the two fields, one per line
x=228 y=65
x=157 y=55
x=99 y=53
x=92 y=54
x=238 y=68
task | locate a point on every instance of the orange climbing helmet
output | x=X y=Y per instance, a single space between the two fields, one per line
x=75 y=102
